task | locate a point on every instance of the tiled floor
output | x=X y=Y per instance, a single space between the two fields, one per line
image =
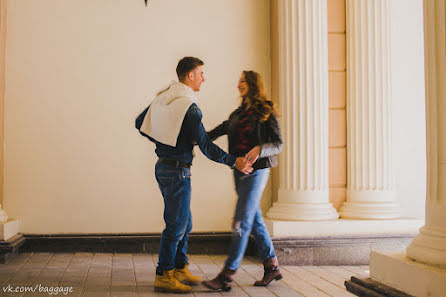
x=132 y=275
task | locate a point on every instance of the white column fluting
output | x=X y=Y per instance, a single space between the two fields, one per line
x=429 y=246
x=303 y=96
x=370 y=176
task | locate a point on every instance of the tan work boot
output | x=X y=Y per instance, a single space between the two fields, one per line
x=168 y=283
x=186 y=277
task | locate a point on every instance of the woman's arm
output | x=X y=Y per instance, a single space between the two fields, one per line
x=218 y=131
x=273 y=142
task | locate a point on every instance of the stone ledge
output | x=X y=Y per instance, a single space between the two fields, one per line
x=316 y=250
x=9 y=248
x=402 y=273
x=343 y=227
x=339 y=242
x=336 y=250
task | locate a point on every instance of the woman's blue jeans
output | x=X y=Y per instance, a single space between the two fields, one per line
x=175 y=187
x=249 y=190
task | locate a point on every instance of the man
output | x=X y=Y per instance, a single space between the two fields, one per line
x=173 y=123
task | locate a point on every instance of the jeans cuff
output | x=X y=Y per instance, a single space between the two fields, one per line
x=159 y=271
x=180 y=266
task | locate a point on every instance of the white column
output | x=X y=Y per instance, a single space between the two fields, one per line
x=429 y=246
x=370 y=175
x=303 y=96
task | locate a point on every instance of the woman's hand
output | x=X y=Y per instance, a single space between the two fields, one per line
x=253 y=154
x=243 y=165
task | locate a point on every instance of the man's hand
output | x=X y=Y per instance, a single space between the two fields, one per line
x=253 y=154
x=243 y=165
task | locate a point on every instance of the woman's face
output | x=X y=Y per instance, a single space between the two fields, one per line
x=243 y=86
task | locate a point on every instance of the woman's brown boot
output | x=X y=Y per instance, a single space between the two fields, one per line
x=223 y=281
x=272 y=271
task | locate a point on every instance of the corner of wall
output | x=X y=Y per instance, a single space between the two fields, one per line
x=2 y=89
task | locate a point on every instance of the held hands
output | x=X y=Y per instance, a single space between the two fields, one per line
x=253 y=154
x=244 y=164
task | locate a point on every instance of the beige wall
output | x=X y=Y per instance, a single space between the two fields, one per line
x=79 y=72
x=337 y=98
x=2 y=88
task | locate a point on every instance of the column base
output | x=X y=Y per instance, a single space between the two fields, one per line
x=402 y=273
x=302 y=211
x=9 y=229
x=429 y=247
x=344 y=228
x=370 y=211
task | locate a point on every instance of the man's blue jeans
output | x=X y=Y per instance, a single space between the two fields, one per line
x=249 y=190
x=174 y=184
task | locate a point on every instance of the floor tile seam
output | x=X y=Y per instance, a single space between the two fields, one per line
x=111 y=274
x=313 y=277
x=85 y=277
x=66 y=268
x=107 y=263
x=134 y=275
x=32 y=284
x=325 y=278
x=337 y=288
x=354 y=270
x=127 y=268
x=289 y=271
x=202 y=271
x=339 y=267
x=43 y=268
x=60 y=277
x=20 y=267
x=301 y=292
x=268 y=288
x=353 y=273
x=235 y=282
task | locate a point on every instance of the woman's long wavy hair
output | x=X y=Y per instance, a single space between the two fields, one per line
x=256 y=98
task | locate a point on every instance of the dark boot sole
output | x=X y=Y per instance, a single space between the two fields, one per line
x=225 y=288
x=191 y=284
x=277 y=278
x=163 y=290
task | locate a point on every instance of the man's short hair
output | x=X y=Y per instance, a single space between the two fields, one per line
x=186 y=65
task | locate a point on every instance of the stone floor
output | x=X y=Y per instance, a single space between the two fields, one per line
x=132 y=275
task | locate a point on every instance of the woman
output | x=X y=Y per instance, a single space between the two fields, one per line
x=253 y=132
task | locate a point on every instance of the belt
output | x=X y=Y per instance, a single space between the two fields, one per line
x=173 y=162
